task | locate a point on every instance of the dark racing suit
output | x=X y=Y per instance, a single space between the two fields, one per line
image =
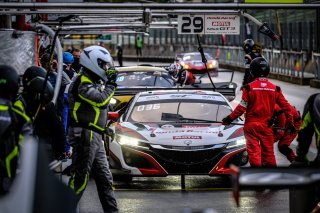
x=14 y=125
x=88 y=101
x=284 y=137
x=247 y=60
x=47 y=125
x=310 y=126
x=258 y=101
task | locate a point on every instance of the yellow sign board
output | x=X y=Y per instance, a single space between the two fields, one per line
x=275 y=1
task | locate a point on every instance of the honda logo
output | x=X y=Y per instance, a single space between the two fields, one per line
x=187 y=142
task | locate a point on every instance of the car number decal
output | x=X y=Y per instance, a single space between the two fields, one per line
x=148 y=107
x=120 y=78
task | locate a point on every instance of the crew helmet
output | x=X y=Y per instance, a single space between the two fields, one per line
x=247 y=45
x=31 y=73
x=259 y=67
x=68 y=58
x=96 y=59
x=9 y=82
x=34 y=88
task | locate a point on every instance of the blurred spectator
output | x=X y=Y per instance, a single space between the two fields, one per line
x=68 y=59
x=139 y=46
x=101 y=44
x=119 y=54
x=76 y=60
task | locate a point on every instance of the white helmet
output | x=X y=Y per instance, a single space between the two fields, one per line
x=97 y=59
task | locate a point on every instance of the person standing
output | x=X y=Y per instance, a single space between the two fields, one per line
x=139 y=46
x=89 y=96
x=252 y=50
x=310 y=126
x=76 y=56
x=258 y=100
x=14 y=125
x=119 y=55
x=68 y=74
x=48 y=127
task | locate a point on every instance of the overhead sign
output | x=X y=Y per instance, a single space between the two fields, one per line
x=222 y=24
x=209 y=24
x=275 y=1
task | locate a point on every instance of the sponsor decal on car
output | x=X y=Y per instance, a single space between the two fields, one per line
x=194 y=126
x=189 y=130
x=167 y=126
x=199 y=96
x=187 y=137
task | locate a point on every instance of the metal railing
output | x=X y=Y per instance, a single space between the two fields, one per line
x=316 y=59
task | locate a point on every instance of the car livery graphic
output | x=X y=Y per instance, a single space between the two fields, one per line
x=176 y=132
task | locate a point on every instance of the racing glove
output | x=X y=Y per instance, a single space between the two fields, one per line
x=227 y=120
x=291 y=128
x=112 y=75
x=110 y=133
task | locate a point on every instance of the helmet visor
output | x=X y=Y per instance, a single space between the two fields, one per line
x=104 y=65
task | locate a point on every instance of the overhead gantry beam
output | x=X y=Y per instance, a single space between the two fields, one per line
x=153 y=6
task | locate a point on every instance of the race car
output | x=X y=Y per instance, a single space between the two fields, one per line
x=144 y=76
x=193 y=62
x=176 y=132
x=135 y=78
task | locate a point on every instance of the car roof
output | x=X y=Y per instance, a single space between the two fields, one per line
x=194 y=53
x=141 y=69
x=160 y=92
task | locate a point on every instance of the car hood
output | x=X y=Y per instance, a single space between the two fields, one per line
x=180 y=134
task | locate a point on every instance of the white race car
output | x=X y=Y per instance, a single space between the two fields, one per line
x=176 y=132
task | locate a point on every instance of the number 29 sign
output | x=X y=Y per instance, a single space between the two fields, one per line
x=209 y=24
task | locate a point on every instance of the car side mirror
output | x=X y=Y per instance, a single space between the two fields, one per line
x=113 y=116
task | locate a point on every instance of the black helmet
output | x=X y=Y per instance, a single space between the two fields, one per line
x=259 y=67
x=248 y=45
x=9 y=82
x=33 y=90
x=31 y=73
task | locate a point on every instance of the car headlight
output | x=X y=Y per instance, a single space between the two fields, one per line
x=113 y=101
x=126 y=140
x=186 y=67
x=236 y=143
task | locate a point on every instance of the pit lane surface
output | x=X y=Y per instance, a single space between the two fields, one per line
x=164 y=195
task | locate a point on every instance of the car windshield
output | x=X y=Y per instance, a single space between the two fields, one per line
x=195 y=57
x=143 y=79
x=195 y=108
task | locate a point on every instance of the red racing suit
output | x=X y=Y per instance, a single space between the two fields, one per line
x=284 y=137
x=258 y=101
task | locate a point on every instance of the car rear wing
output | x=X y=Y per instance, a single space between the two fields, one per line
x=224 y=90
